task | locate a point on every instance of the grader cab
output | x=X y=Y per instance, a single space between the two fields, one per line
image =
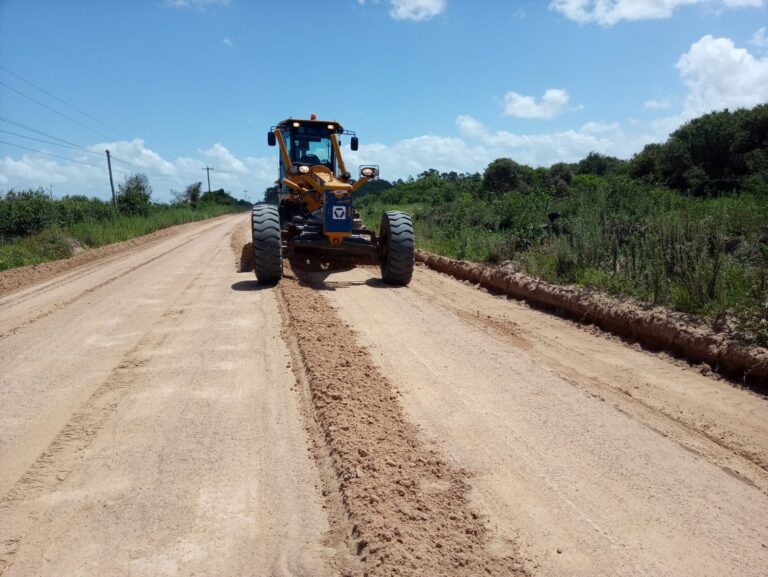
x=315 y=216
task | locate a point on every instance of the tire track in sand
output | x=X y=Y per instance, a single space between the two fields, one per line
x=67 y=302
x=64 y=454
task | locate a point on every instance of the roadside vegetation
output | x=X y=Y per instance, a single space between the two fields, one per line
x=35 y=228
x=682 y=224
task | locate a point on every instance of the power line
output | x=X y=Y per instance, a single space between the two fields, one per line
x=124 y=174
x=141 y=168
x=40 y=132
x=49 y=154
x=54 y=110
x=75 y=108
x=67 y=143
x=71 y=146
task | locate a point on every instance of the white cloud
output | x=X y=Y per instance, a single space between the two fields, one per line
x=196 y=4
x=609 y=12
x=657 y=104
x=719 y=75
x=228 y=42
x=415 y=155
x=227 y=161
x=551 y=104
x=759 y=39
x=479 y=145
x=416 y=9
x=135 y=152
x=88 y=174
x=601 y=128
x=543 y=149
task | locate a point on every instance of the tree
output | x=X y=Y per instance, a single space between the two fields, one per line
x=270 y=194
x=25 y=212
x=601 y=164
x=134 y=195
x=560 y=177
x=190 y=196
x=505 y=175
x=193 y=192
x=645 y=164
x=711 y=155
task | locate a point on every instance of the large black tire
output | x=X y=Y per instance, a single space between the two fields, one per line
x=267 y=244
x=396 y=247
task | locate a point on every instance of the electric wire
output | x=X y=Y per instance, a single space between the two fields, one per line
x=70 y=146
x=167 y=178
x=49 y=154
x=75 y=108
x=40 y=132
x=65 y=143
x=27 y=96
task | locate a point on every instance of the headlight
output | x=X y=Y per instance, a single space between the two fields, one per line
x=368 y=172
x=303 y=169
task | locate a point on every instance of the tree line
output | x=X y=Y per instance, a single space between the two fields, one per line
x=28 y=212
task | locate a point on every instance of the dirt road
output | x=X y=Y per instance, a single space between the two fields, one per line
x=161 y=414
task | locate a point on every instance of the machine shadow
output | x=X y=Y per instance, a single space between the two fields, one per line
x=250 y=285
x=319 y=279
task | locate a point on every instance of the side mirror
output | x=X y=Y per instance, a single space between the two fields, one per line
x=271 y=140
x=353 y=143
x=369 y=172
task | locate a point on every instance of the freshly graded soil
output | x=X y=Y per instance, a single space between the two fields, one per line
x=408 y=506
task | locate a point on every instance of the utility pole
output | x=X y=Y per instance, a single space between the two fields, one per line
x=111 y=182
x=208 y=170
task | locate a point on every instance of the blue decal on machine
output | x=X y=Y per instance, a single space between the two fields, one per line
x=338 y=213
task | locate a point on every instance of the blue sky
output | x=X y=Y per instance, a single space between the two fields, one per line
x=170 y=86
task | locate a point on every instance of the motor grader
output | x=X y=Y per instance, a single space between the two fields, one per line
x=315 y=217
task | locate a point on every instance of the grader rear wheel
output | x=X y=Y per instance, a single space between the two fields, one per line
x=267 y=244
x=396 y=247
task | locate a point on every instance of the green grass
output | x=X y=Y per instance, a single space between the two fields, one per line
x=51 y=244
x=95 y=234
x=54 y=242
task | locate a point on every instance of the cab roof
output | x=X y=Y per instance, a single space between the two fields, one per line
x=288 y=122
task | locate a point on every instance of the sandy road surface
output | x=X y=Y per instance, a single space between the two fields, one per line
x=147 y=422
x=596 y=458
x=156 y=419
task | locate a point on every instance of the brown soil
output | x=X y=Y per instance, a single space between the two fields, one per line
x=408 y=506
x=656 y=327
x=17 y=278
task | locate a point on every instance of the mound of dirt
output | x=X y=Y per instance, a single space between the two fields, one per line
x=408 y=507
x=246 y=258
x=653 y=326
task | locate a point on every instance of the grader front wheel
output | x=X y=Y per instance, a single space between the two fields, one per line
x=396 y=247
x=267 y=244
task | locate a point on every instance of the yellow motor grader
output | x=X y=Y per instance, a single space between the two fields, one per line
x=316 y=215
